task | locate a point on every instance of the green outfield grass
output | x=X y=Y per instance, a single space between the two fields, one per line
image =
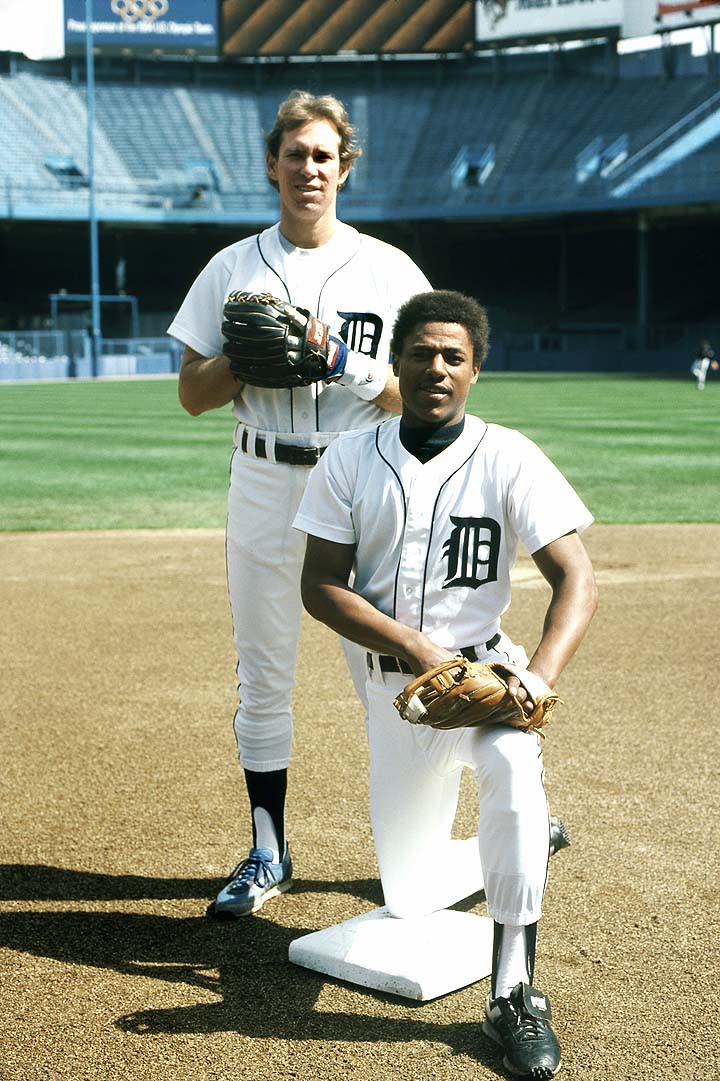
x=124 y=455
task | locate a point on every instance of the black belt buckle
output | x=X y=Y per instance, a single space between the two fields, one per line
x=297 y=455
x=284 y=452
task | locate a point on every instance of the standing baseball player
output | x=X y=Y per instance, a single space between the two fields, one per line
x=704 y=361
x=427 y=512
x=353 y=285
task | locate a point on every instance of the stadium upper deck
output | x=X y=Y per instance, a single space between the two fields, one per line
x=463 y=138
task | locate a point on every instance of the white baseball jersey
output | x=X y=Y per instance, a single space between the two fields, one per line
x=354 y=283
x=435 y=543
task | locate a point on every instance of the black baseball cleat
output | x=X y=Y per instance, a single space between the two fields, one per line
x=559 y=836
x=521 y=1025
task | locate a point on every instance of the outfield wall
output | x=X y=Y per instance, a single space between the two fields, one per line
x=68 y=355
x=640 y=362
x=30 y=355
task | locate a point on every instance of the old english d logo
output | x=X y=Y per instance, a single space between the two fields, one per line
x=361 y=332
x=472 y=551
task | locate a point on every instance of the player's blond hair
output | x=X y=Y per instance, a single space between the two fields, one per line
x=299 y=108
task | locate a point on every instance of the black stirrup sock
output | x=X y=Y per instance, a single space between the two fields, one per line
x=267 y=791
x=512 y=960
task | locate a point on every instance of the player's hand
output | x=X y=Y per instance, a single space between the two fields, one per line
x=520 y=694
x=425 y=654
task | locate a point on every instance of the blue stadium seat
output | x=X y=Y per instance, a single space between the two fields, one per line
x=415 y=118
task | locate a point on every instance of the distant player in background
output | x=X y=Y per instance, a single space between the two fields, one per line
x=355 y=284
x=705 y=361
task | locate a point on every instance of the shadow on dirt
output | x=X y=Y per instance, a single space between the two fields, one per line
x=244 y=962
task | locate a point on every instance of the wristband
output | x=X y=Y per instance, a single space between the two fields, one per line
x=337 y=357
x=365 y=376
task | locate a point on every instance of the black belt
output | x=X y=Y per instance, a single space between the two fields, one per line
x=394 y=664
x=283 y=451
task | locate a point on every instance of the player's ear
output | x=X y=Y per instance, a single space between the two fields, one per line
x=271 y=166
x=476 y=363
x=344 y=174
x=395 y=364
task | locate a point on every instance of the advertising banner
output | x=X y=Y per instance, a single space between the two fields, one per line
x=524 y=19
x=643 y=17
x=175 y=27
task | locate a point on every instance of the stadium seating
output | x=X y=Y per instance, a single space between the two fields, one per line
x=416 y=118
x=450 y=144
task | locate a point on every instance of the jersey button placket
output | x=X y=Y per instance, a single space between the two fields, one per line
x=412 y=559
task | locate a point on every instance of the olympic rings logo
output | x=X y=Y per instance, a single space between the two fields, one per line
x=133 y=10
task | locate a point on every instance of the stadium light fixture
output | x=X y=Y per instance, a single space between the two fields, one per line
x=96 y=331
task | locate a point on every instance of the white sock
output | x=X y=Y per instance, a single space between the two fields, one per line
x=512 y=963
x=265 y=832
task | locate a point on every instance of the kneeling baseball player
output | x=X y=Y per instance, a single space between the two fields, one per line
x=413 y=527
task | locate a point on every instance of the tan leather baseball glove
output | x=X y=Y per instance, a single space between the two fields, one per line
x=463 y=694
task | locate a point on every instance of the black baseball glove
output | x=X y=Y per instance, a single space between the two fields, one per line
x=272 y=344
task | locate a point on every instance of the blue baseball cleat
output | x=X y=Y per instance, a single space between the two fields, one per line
x=253 y=882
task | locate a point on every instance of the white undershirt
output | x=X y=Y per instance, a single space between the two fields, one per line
x=305 y=270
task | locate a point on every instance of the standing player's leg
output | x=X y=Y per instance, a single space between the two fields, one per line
x=264 y=557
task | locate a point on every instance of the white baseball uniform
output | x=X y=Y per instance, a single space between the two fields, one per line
x=434 y=547
x=355 y=284
x=700 y=368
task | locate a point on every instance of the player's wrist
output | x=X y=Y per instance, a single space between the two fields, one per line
x=363 y=375
x=421 y=653
x=337 y=358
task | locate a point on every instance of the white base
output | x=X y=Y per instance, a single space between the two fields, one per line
x=420 y=958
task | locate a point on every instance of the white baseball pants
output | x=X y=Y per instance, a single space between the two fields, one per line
x=264 y=563
x=700 y=369
x=414 y=787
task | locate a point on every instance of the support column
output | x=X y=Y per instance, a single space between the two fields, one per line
x=711 y=35
x=96 y=331
x=643 y=280
x=563 y=277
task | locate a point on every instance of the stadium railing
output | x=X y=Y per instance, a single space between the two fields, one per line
x=41 y=355
x=669 y=350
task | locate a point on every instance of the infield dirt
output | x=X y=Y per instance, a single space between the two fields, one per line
x=124 y=808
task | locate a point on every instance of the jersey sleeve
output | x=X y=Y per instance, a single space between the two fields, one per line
x=418 y=280
x=199 y=319
x=326 y=507
x=408 y=281
x=396 y=276
x=542 y=505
